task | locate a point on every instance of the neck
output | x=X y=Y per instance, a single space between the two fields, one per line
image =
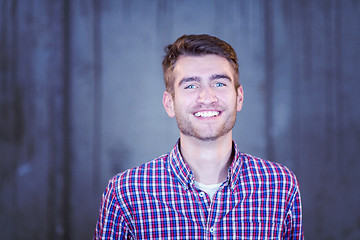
x=209 y=160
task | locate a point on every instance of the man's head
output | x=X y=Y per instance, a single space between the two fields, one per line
x=197 y=45
x=203 y=91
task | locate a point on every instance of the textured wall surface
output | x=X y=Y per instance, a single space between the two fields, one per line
x=80 y=100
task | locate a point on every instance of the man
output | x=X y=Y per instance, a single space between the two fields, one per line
x=205 y=188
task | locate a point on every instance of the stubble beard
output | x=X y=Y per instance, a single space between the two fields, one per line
x=213 y=133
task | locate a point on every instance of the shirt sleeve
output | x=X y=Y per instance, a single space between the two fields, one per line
x=111 y=223
x=293 y=222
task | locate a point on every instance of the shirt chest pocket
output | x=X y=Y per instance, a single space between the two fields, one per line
x=256 y=230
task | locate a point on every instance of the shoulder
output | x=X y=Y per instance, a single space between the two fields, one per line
x=140 y=173
x=131 y=188
x=136 y=179
x=263 y=170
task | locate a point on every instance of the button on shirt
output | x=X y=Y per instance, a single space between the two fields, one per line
x=158 y=200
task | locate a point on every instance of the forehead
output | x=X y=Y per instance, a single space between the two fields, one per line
x=202 y=66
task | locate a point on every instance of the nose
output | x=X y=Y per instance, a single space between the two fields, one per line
x=207 y=96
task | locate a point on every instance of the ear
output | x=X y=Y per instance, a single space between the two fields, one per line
x=240 y=98
x=168 y=103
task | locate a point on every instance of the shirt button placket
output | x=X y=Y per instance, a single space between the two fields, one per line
x=191 y=179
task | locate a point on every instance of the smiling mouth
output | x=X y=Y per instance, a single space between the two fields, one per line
x=206 y=114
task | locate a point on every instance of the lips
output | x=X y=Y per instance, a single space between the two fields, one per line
x=206 y=114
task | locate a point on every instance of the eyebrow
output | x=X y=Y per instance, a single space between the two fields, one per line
x=197 y=79
x=220 y=76
x=189 y=79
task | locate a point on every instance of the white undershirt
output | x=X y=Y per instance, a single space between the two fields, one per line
x=210 y=189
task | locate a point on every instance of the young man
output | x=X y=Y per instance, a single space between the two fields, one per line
x=205 y=188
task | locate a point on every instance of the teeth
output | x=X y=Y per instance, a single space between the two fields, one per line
x=207 y=114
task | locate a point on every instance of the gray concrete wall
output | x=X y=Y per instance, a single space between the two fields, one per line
x=80 y=100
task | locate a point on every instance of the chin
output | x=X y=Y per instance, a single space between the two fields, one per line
x=208 y=139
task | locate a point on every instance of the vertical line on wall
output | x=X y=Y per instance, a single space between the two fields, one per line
x=306 y=73
x=294 y=28
x=97 y=140
x=329 y=84
x=160 y=17
x=269 y=78
x=297 y=55
x=51 y=199
x=10 y=79
x=164 y=22
x=339 y=113
x=11 y=116
x=67 y=143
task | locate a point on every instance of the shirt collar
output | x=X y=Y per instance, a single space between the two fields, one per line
x=235 y=167
x=183 y=172
x=179 y=167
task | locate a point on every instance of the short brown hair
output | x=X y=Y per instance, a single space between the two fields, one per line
x=197 y=45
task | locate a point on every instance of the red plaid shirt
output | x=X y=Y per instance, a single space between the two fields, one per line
x=158 y=200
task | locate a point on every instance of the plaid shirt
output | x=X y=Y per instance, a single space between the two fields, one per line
x=158 y=200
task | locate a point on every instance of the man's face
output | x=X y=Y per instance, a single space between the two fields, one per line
x=205 y=100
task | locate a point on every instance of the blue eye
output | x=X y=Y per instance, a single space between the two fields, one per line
x=190 y=87
x=219 y=84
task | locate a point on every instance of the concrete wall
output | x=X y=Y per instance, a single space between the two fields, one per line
x=80 y=100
